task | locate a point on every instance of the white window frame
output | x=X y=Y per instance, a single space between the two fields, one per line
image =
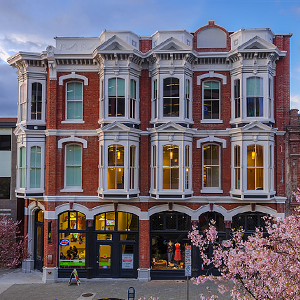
x=72 y=188
x=66 y=103
x=35 y=168
x=23 y=102
x=211 y=189
x=217 y=120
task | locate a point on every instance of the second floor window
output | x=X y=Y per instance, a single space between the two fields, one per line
x=36 y=101
x=254 y=97
x=171 y=97
x=116 y=167
x=211 y=100
x=35 y=167
x=22 y=166
x=170 y=167
x=74 y=100
x=237 y=167
x=116 y=97
x=132 y=98
x=155 y=114
x=187 y=99
x=211 y=166
x=255 y=167
x=73 y=166
x=23 y=104
x=237 y=99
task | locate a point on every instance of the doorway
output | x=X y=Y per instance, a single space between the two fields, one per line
x=39 y=240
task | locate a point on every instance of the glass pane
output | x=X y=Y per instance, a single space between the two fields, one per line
x=112 y=155
x=77 y=155
x=250 y=179
x=71 y=110
x=40 y=216
x=206 y=176
x=39 y=242
x=207 y=154
x=174 y=156
x=120 y=178
x=166 y=178
x=207 y=94
x=110 y=221
x=184 y=222
x=120 y=107
x=207 y=109
x=167 y=107
x=207 y=85
x=104 y=256
x=111 y=107
x=127 y=256
x=175 y=178
x=214 y=155
x=112 y=87
x=122 y=221
x=78 y=110
x=81 y=221
x=133 y=222
x=72 y=250
x=175 y=107
x=120 y=155
x=259 y=156
x=78 y=91
x=215 y=109
x=100 y=222
x=111 y=178
x=215 y=93
x=63 y=221
x=127 y=237
x=104 y=237
x=259 y=107
x=120 y=87
x=132 y=156
x=171 y=221
x=259 y=179
x=157 y=221
x=70 y=91
x=215 y=176
x=251 y=154
x=133 y=88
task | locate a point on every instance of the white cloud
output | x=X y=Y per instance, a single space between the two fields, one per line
x=295 y=101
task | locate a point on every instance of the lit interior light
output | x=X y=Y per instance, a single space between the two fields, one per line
x=120 y=169
x=119 y=154
x=171 y=155
x=253 y=154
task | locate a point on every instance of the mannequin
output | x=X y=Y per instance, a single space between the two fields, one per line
x=177 y=253
x=170 y=251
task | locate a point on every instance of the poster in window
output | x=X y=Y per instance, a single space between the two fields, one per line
x=127 y=261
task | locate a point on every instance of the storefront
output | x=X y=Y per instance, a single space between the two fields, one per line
x=109 y=248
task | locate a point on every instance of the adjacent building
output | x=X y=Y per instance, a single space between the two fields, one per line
x=124 y=140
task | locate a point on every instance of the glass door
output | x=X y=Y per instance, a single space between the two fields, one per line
x=128 y=260
x=39 y=241
x=104 y=259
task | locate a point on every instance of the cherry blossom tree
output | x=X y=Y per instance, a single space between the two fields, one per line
x=264 y=266
x=12 y=247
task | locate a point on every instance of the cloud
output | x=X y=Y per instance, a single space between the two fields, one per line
x=295 y=101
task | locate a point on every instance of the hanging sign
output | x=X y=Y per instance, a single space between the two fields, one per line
x=188 y=260
x=75 y=275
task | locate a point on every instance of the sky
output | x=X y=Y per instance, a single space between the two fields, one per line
x=31 y=25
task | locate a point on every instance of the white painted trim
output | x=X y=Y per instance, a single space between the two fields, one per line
x=211 y=121
x=211 y=139
x=73 y=121
x=72 y=138
x=73 y=75
x=211 y=74
x=72 y=190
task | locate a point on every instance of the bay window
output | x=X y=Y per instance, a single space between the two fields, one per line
x=115 y=167
x=254 y=97
x=170 y=167
x=36 y=101
x=116 y=97
x=255 y=167
x=171 y=97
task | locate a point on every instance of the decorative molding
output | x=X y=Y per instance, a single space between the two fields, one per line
x=72 y=138
x=73 y=75
x=211 y=74
x=211 y=138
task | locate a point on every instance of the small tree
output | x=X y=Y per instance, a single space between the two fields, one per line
x=12 y=248
x=260 y=267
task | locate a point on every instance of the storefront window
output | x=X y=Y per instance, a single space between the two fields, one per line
x=205 y=219
x=105 y=221
x=72 y=240
x=169 y=232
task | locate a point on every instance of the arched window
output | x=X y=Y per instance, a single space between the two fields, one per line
x=116 y=97
x=73 y=165
x=72 y=240
x=171 y=97
x=211 y=166
x=211 y=100
x=36 y=101
x=255 y=167
x=205 y=218
x=249 y=221
x=254 y=97
x=170 y=167
x=74 y=100
x=35 y=167
x=115 y=167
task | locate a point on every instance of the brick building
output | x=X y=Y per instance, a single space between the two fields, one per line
x=124 y=140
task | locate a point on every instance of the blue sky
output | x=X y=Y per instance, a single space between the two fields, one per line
x=31 y=25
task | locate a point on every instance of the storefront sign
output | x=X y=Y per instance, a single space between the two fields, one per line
x=64 y=242
x=188 y=260
x=127 y=261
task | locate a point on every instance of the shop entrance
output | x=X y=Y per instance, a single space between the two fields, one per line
x=39 y=240
x=116 y=251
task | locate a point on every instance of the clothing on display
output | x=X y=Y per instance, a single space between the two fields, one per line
x=177 y=252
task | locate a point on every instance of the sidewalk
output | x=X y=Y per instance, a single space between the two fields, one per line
x=15 y=285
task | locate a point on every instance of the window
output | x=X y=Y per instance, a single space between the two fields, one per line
x=73 y=166
x=35 y=167
x=72 y=240
x=237 y=167
x=115 y=167
x=248 y=221
x=171 y=97
x=116 y=97
x=101 y=165
x=4 y=187
x=270 y=97
x=5 y=143
x=132 y=167
x=211 y=100
x=187 y=167
x=255 y=167
x=74 y=100
x=23 y=104
x=132 y=98
x=254 y=97
x=155 y=99
x=102 y=99
x=211 y=166
x=187 y=99
x=237 y=99
x=22 y=166
x=170 y=167
x=205 y=218
x=36 y=101
x=154 y=166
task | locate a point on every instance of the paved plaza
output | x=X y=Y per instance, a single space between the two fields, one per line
x=15 y=285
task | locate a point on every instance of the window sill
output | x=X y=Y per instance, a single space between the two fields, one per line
x=211 y=121
x=211 y=191
x=73 y=122
x=72 y=190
